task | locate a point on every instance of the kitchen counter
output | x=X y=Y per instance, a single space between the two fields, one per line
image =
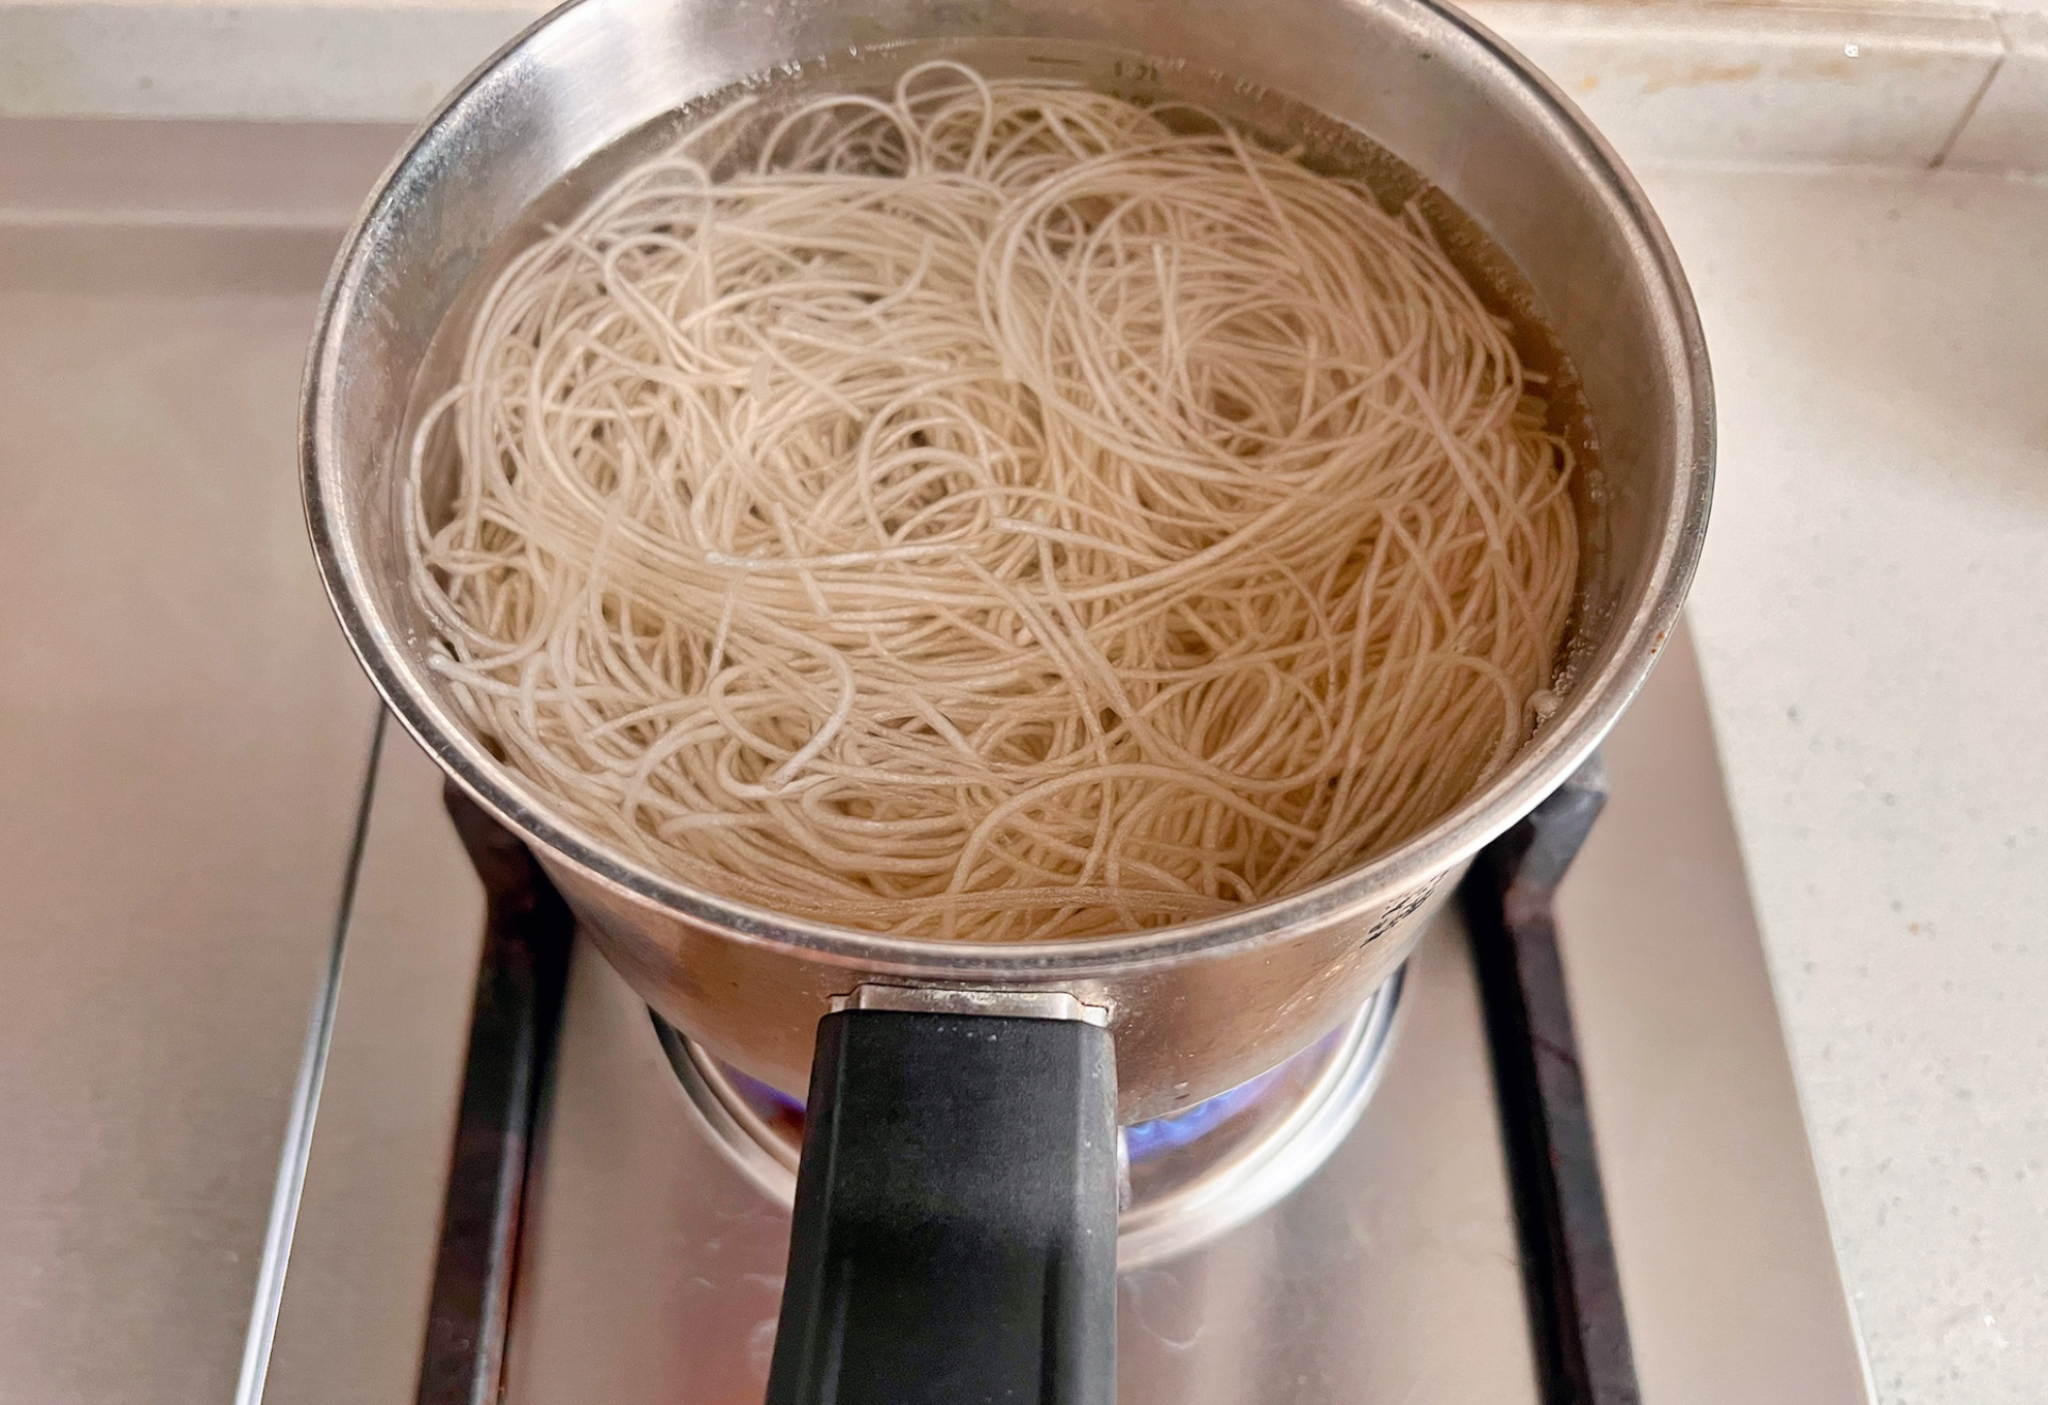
x=1872 y=619
x=182 y=732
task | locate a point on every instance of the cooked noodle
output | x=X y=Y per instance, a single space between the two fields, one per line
x=1000 y=513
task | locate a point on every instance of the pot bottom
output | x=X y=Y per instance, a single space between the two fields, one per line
x=1189 y=1177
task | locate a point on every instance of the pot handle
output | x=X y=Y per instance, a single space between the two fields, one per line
x=955 y=1231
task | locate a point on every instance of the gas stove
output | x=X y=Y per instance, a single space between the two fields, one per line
x=1558 y=1159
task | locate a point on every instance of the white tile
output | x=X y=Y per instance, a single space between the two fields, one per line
x=347 y=60
x=2009 y=130
x=1698 y=81
x=1770 y=86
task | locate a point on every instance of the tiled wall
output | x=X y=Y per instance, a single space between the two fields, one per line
x=1874 y=82
x=1785 y=82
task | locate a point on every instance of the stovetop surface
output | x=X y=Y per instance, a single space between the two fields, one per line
x=653 y=1268
x=650 y=1267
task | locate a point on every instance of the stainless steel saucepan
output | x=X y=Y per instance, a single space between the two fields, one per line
x=951 y=1203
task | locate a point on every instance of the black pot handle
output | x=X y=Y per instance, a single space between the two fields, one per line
x=955 y=1232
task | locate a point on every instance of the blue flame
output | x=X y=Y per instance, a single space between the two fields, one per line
x=1141 y=1139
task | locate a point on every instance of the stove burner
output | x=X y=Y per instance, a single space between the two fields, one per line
x=1145 y=1140
x=1193 y=1175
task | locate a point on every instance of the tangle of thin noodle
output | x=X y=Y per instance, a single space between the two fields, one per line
x=1001 y=512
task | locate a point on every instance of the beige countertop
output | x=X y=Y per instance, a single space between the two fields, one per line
x=1872 y=619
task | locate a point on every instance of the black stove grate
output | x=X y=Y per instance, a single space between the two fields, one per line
x=1572 y=1282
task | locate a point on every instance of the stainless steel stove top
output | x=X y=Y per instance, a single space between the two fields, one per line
x=650 y=1252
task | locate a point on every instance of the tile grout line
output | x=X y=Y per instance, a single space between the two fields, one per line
x=1976 y=99
x=1623 y=44
x=398 y=25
